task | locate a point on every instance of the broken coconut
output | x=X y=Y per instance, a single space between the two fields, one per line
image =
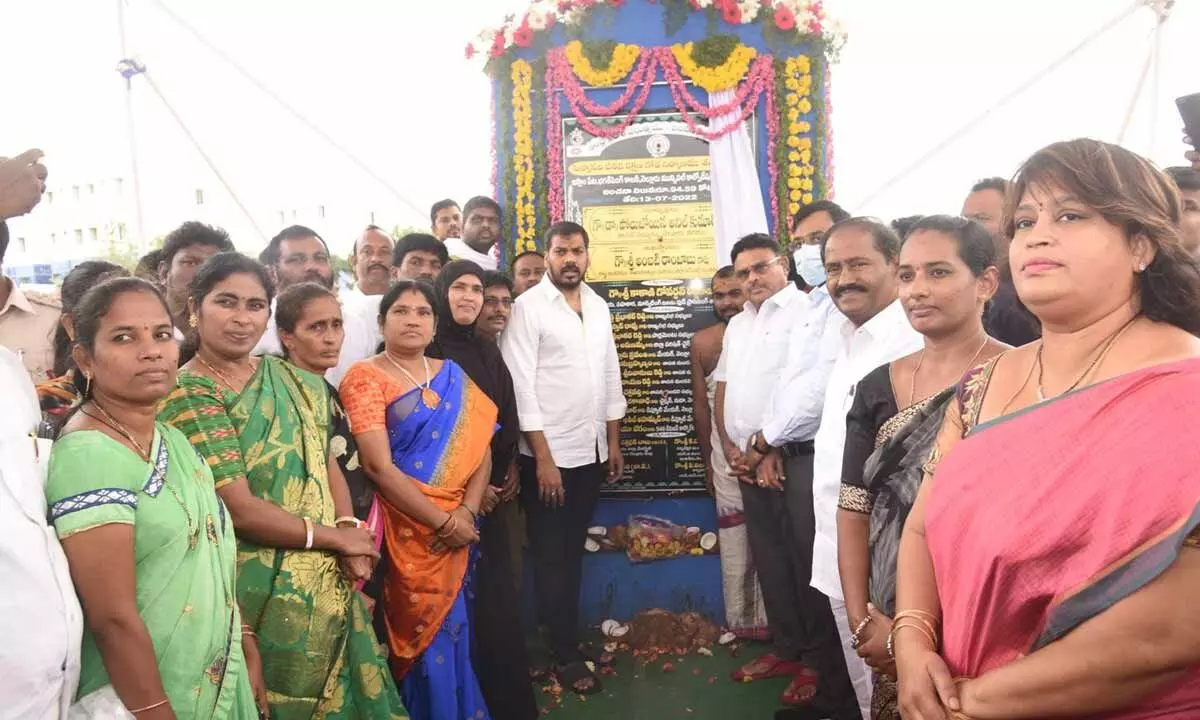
x=726 y=638
x=607 y=626
x=597 y=531
x=708 y=541
x=591 y=545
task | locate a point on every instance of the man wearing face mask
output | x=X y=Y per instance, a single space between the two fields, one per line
x=809 y=226
x=745 y=613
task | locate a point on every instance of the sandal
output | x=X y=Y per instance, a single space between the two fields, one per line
x=767 y=666
x=577 y=678
x=801 y=690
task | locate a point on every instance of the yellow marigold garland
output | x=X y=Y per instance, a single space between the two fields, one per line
x=523 y=208
x=714 y=79
x=624 y=57
x=800 y=167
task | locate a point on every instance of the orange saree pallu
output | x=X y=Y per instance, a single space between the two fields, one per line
x=1042 y=519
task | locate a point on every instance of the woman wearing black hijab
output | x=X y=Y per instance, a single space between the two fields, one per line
x=500 y=659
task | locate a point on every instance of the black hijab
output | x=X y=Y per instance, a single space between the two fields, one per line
x=482 y=362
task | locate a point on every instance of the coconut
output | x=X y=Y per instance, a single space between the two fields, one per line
x=591 y=545
x=693 y=530
x=607 y=626
x=708 y=541
x=727 y=638
x=597 y=531
x=619 y=631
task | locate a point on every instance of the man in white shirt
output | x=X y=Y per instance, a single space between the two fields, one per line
x=756 y=355
x=861 y=262
x=560 y=350
x=372 y=261
x=480 y=233
x=40 y=618
x=298 y=254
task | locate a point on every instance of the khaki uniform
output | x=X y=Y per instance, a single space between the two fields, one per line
x=27 y=324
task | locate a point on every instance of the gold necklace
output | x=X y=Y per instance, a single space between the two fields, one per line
x=116 y=424
x=912 y=389
x=220 y=375
x=1105 y=347
x=428 y=395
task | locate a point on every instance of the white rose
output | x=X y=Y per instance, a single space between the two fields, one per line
x=749 y=10
x=536 y=20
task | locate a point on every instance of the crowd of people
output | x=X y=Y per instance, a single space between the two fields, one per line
x=951 y=457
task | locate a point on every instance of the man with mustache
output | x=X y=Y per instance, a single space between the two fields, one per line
x=861 y=262
x=560 y=350
x=446 y=219
x=371 y=258
x=1005 y=319
x=744 y=611
x=298 y=254
x=497 y=306
x=418 y=256
x=755 y=356
x=481 y=230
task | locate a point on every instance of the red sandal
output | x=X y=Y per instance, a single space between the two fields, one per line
x=767 y=666
x=801 y=690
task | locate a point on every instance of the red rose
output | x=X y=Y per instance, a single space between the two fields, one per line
x=785 y=19
x=498 y=44
x=732 y=13
x=523 y=36
x=470 y=53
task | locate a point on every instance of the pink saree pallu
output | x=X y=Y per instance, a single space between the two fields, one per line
x=1045 y=518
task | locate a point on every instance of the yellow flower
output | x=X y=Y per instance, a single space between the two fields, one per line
x=807 y=198
x=805 y=106
x=806 y=156
x=793 y=99
x=794 y=156
x=802 y=63
x=792 y=84
x=806 y=184
x=624 y=57
x=522 y=79
x=795 y=195
x=794 y=170
x=793 y=114
x=806 y=143
x=793 y=141
x=793 y=208
x=714 y=79
x=793 y=183
x=804 y=127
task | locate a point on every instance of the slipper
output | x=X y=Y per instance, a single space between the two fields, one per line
x=767 y=666
x=801 y=690
x=577 y=678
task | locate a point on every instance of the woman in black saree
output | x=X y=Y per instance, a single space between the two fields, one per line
x=947 y=275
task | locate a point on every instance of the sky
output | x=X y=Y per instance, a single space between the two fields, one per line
x=387 y=79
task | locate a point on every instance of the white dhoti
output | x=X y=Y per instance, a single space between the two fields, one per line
x=745 y=613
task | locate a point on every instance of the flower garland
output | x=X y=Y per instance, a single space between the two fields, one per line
x=554 y=141
x=494 y=178
x=721 y=77
x=623 y=58
x=540 y=170
x=791 y=21
x=523 y=205
x=800 y=168
x=758 y=81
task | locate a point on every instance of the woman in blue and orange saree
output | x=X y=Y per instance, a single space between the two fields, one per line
x=1048 y=567
x=424 y=431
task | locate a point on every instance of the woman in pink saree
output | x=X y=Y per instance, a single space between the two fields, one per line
x=1049 y=566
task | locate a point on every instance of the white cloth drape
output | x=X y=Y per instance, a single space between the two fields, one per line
x=736 y=195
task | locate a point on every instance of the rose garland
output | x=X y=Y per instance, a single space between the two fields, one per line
x=800 y=172
x=554 y=139
x=624 y=57
x=523 y=199
x=494 y=178
x=717 y=78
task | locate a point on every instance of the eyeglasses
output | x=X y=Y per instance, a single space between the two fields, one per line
x=759 y=268
x=495 y=302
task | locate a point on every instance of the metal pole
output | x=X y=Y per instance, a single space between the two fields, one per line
x=1155 y=93
x=1137 y=94
x=139 y=238
x=203 y=155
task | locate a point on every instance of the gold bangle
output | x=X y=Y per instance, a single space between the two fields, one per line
x=928 y=616
x=349 y=519
x=158 y=704
x=920 y=617
x=901 y=625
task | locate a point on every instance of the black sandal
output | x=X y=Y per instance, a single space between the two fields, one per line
x=572 y=675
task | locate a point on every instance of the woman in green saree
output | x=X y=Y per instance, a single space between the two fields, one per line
x=262 y=426
x=150 y=546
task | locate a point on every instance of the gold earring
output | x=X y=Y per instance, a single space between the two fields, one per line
x=193 y=321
